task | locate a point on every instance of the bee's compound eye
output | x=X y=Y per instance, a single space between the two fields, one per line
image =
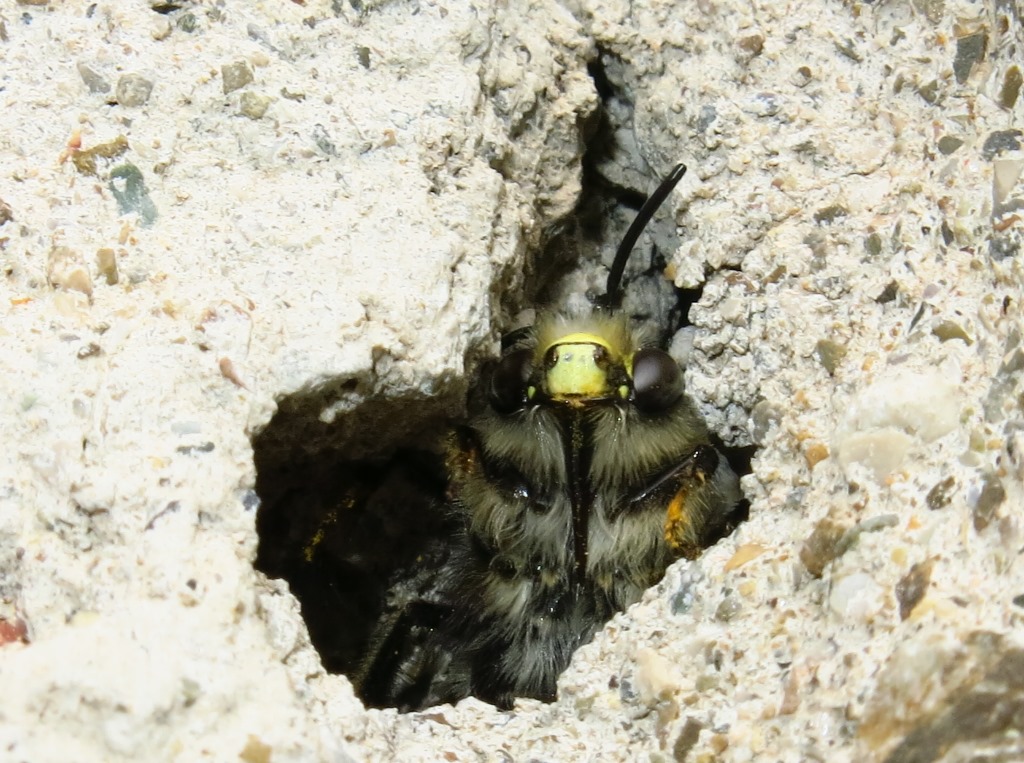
x=657 y=380
x=509 y=381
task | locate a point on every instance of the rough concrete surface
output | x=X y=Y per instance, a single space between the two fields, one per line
x=207 y=209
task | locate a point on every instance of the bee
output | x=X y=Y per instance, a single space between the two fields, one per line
x=585 y=472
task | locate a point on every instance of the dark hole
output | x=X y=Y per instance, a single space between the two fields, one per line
x=347 y=508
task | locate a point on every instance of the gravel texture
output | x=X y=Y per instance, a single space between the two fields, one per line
x=210 y=210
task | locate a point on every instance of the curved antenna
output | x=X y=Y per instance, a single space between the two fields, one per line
x=613 y=292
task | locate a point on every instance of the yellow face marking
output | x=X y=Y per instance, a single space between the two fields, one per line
x=575 y=372
x=578 y=366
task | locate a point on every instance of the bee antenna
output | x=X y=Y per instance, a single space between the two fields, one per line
x=613 y=293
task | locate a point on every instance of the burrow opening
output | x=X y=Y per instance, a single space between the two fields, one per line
x=353 y=508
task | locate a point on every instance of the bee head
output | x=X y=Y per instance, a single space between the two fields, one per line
x=583 y=361
x=579 y=361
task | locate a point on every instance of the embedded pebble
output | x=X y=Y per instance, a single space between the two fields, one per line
x=1001 y=141
x=856 y=597
x=948 y=144
x=1005 y=174
x=1012 y=81
x=883 y=421
x=235 y=76
x=656 y=678
x=253 y=105
x=129 y=189
x=763 y=417
x=106 y=263
x=941 y=494
x=988 y=500
x=728 y=609
x=187 y=22
x=133 y=90
x=830 y=354
x=94 y=81
x=881 y=450
x=66 y=270
x=947 y=330
x=822 y=546
x=913 y=586
x=970 y=49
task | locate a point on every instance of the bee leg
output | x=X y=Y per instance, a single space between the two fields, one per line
x=686 y=518
x=489 y=683
x=412 y=662
x=396 y=671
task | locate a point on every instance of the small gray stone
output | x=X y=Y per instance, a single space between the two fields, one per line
x=129 y=189
x=763 y=417
x=235 y=76
x=970 y=50
x=252 y=105
x=948 y=144
x=93 y=80
x=188 y=22
x=991 y=498
x=1001 y=141
x=133 y=90
x=106 y=263
x=1012 y=81
x=727 y=609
